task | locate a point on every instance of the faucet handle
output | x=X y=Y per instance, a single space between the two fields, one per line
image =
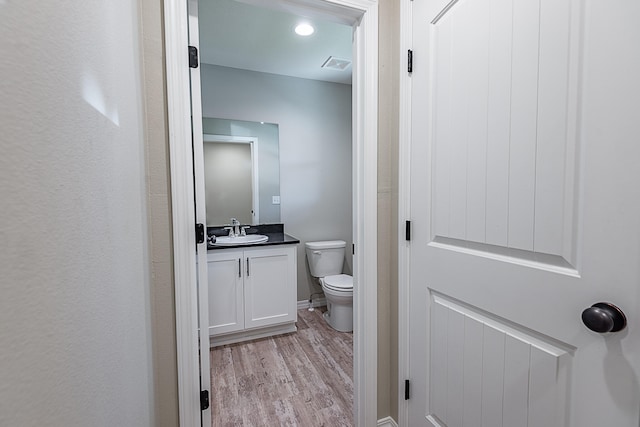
x=243 y=232
x=231 y=233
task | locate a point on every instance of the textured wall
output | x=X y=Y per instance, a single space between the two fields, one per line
x=75 y=347
x=314 y=120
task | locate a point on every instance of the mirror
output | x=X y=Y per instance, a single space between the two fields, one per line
x=242 y=171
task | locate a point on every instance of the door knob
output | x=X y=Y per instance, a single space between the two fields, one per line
x=604 y=317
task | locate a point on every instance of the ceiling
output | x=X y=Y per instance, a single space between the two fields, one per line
x=240 y=35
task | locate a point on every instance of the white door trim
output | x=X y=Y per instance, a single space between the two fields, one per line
x=182 y=210
x=365 y=212
x=365 y=138
x=404 y=209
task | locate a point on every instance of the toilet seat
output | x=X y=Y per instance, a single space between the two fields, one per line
x=339 y=283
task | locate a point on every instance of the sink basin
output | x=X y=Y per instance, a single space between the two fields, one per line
x=249 y=239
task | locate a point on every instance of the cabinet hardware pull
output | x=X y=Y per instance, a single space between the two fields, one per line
x=239 y=267
x=247 y=266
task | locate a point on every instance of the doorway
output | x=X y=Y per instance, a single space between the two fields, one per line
x=363 y=16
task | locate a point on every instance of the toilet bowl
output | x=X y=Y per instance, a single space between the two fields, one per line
x=338 y=290
x=326 y=259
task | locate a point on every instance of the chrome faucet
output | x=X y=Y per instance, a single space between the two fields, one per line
x=236 y=226
x=234 y=230
x=231 y=233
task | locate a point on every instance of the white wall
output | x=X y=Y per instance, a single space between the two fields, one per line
x=314 y=119
x=75 y=346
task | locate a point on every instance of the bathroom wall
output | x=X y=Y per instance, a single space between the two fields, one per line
x=75 y=334
x=314 y=120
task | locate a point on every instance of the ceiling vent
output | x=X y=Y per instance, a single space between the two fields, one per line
x=336 y=63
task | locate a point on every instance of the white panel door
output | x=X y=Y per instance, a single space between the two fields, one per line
x=525 y=204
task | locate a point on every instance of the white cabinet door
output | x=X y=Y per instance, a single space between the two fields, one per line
x=270 y=286
x=525 y=208
x=226 y=312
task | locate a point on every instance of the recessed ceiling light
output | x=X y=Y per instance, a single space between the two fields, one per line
x=304 y=29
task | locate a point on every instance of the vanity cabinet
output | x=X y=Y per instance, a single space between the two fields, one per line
x=252 y=292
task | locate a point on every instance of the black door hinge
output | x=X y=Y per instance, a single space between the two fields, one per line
x=407 y=230
x=193 y=57
x=204 y=400
x=410 y=61
x=406 y=389
x=199 y=233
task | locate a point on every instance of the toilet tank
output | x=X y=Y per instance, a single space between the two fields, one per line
x=325 y=258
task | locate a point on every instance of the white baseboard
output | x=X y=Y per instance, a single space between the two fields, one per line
x=387 y=422
x=251 y=334
x=317 y=302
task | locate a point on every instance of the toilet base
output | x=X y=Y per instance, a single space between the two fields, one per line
x=339 y=317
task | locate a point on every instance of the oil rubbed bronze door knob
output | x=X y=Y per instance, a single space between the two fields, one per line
x=604 y=317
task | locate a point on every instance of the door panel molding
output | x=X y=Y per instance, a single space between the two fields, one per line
x=553 y=263
x=486 y=368
x=503 y=129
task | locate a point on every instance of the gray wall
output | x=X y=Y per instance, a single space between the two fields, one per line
x=314 y=120
x=75 y=311
x=268 y=159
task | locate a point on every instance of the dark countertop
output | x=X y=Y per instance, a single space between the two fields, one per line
x=275 y=233
x=274 y=239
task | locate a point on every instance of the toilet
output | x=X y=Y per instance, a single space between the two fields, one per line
x=326 y=259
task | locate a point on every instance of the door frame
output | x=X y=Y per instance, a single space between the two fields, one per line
x=363 y=14
x=404 y=210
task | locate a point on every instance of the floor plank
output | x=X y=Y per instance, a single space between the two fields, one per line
x=299 y=379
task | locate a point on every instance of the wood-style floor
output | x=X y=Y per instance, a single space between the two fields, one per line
x=299 y=379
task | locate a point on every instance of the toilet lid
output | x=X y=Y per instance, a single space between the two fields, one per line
x=342 y=282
